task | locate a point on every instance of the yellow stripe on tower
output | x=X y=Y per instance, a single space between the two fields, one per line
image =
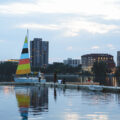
x=19 y=72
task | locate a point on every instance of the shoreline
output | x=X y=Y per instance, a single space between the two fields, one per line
x=110 y=89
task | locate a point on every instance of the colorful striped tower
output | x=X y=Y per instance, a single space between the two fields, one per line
x=24 y=62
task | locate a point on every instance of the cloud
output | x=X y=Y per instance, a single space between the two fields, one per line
x=70 y=48
x=95 y=47
x=1 y=41
x=108 y=9
x=73 y=27
x=111 y=47
x=38 y=26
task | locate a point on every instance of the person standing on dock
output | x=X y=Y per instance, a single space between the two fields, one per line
x=89 y=80
x=55 y=77
x=39 y=76
x=63 y=81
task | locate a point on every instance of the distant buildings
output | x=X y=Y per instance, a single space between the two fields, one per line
x=118 y=58
x=72 y=62
x=39 y=52
x=89 y=59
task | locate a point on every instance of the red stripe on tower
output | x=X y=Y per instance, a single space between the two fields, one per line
x=24 y=61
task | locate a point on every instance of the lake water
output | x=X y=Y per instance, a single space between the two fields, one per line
x=42 y=103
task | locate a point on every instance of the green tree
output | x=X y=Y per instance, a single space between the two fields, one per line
x=100 y=71
x=59 y=68
x=117 y=72
x=7 y=69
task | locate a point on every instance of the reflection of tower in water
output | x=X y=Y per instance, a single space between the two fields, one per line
x=23 y=100
x=32 y=99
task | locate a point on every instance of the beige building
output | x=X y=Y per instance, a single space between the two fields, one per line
x=89 y=59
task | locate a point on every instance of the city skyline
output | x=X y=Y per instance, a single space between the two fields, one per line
x=72 y=27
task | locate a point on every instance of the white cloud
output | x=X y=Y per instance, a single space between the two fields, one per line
x=95 y=47
x=1 y=41
x=111 y=47
x=69 y=48
x=73 y=27
x=38 y=26
x=106 y=8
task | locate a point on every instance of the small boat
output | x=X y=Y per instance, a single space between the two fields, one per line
x=95 y=88
x=24 y=69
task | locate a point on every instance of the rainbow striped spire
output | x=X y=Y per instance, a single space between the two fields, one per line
x=24 y=62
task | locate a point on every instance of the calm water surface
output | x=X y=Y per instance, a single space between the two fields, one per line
x=42 y=103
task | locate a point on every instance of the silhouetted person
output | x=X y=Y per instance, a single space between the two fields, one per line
x=39 y=76
x=89 y=80
x=55 y=77
x=63 y=81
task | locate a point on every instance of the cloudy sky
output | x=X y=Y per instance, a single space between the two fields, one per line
x=72 y=27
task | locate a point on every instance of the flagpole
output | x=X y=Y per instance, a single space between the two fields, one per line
x=28 y=43
x=27 y=34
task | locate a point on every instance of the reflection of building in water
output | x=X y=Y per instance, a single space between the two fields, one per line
x=35 y=98
x=39 y=99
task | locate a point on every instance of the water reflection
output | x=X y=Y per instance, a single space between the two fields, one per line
x=97 y=116
x=23 y=99
x=64 y=104
x=98 y=97
x=39 y=100
x=55 y=94
x=33 y=100
x=71 y=116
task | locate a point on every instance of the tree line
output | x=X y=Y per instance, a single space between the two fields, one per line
x=99 y=70
x=7 y=69
x=59 y=68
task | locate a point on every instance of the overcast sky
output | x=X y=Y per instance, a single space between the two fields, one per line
x=72 y=27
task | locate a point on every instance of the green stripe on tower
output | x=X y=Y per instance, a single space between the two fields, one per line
x=26 y=40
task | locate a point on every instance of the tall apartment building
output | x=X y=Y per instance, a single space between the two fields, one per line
x=89 y=59
x=39 y=51
x=72 y=62
x=118 y=58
